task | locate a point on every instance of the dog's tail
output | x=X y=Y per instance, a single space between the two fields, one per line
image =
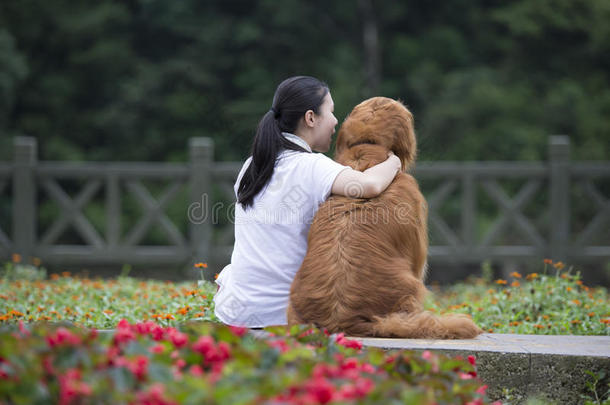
x=424 y=325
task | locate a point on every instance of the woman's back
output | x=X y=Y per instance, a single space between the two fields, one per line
x=271 y=239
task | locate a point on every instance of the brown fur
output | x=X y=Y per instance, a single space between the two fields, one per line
x=366 y=258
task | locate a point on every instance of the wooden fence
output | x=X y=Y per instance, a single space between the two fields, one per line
x=475 y=190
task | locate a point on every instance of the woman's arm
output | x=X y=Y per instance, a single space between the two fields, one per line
x=369 y=183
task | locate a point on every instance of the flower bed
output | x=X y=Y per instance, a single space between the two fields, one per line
x=144 y=363
x=552 y=302
x=167 y=332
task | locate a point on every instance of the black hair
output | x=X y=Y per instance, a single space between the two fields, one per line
x=293 y=97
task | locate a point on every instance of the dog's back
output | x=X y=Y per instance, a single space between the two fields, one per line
x=348 y=276
x=365 y=263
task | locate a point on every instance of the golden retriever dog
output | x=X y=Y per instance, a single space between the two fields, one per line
x=366 y=258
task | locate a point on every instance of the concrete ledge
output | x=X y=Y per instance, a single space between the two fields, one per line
x=543 y=366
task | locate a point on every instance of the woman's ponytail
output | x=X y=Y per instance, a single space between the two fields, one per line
x=293 y=97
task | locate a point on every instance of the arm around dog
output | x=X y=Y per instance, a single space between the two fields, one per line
x=369 y=183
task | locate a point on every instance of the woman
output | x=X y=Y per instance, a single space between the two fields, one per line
x=279 y=189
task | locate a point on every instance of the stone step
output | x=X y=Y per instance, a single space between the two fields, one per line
x=542 y=366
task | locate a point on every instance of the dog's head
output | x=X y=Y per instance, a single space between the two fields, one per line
x=380 y=121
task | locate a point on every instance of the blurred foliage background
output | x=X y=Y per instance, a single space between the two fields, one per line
x=134 y=79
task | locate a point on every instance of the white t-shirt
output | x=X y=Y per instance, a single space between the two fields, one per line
x=271 y=238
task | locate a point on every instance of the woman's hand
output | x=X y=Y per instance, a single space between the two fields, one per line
x=371 y=182
x=396 y=160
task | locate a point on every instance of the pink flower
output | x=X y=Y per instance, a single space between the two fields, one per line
x=196 y=370
x=47 y=365
x=179 y=339
x=350 y=363
x=145 y=328
x=155 y=395
x=279 y=344
x=25 y=332
x=224 y=351
x=307 y=333
x=123 y=324
x=238 y=331
x=426 y=355
x=157 y=349
x=464 y=376
x=364 y=386
x=123 y=333
x=204 y=344
x=211 y=352
x=349 y=343
x=3 y=374
x=63 y=336
x=93 y=333
x=70 y=387
x=111 y=354
x=138 y=366
x=368 y=368
x=157 y=332
x=320 y=370
x=481 y=390
x=320 y=389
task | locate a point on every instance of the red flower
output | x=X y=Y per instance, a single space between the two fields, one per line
x=158 y=348
x=320 y=389
x=138 y=366
x=179 y=339
x=157 y=333
x=47 y=365
x=3 y=374
x=279 y=344
x=238 y=331
x=204 y=344
x=352 y=344
x=70 y=387
x=123 y=335
x=145 y=328
x=363 y=386
x=211 y=352
x=63 y=336
x=196 y=370
x=23 y=329
x=472 y=360
x=154 y=396
x=123 y=324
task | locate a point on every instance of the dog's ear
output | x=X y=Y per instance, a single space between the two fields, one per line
x=400 y=120
x=380 y=121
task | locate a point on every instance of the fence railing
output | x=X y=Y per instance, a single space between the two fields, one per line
x=558 y=209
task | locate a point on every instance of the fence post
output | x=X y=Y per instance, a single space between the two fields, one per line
x=559 y=157
x=24 y=195
x=201 y=155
